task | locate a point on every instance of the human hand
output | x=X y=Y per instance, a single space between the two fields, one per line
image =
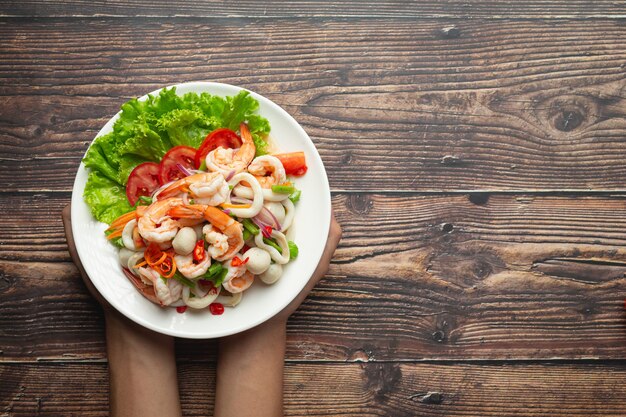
x=334 y=236
x=138 y=387
x=112 y=316
x=66 y=215
x=252 y=361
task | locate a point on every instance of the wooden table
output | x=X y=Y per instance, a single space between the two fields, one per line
x=476 y=153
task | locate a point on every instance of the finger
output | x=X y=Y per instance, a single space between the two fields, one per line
x=322 y=268
x=71 y=246
x=334 y=235
x=66 y=216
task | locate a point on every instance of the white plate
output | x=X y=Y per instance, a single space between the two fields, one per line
x=260 y=302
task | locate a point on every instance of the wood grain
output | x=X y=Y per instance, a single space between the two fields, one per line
x=317 y=9
x=368 y=389
x=434 y=277
x=390 y=104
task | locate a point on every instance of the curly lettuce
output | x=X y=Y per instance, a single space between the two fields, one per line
x=147 y=129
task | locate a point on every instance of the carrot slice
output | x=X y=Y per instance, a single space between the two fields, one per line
x=115 y=234
x=140 y=264
x=236 y=206
x=122 y=220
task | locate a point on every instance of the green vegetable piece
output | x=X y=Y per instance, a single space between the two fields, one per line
x=295 y=197
x=246 y=234
x=293 y=250
x=203 y=166
x=118 y=242
x=186 y=127
x=250 y=226
x=283 y=189
x=273 y=244
x=214 y=269
x=143 y=201
x=219 y=278
x=185 y=281
x=105 y=198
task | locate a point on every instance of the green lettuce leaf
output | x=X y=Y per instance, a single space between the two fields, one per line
x=187 y=127
x=106 y=198
x=97 y=157
x=241 y=108
x=143 y=142
x=146 y=130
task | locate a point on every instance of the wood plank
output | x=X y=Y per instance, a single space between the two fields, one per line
x=390 y=104
x=434 y=277
x=317 y=9
x=368 y=389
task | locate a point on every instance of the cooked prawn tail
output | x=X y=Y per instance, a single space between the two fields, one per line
x=246 y=136
x=218 y=218
x=144 y=289
x=173 y=189
x=193 y=211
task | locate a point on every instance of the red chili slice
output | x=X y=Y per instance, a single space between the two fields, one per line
x=238 y=262
x=181 y=309
x=267 y=231
x=198 y=251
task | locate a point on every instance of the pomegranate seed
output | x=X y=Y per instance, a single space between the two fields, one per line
x=181 y=309
x=216 y=309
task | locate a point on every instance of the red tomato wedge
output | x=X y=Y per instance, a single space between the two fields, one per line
x=143 y=180
x=223 y=137
x=294 y=163
x=183 y=155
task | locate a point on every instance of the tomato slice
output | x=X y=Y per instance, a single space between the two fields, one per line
x=143 y=180
x=223 y=137
x=294 y=163
x=183 y=155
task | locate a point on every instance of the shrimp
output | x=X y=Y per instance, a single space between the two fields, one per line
x=155 y=225
x=218 y=242
x=205 y=188
x=237 y=279
x=152 y=286
x=142 y=283
x=268 y=170
x=227 y=160
x=189 y=268
x=228 y=226
x=167 y=292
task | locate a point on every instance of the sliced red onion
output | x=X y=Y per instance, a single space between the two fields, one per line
x=226 y=211
x=268 y=217
x=230 y=175
x=239 y=200
x=183 y=170
x=258 y=222
x=156 y=192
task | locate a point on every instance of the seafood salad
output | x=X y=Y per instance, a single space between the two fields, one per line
x=205 y=223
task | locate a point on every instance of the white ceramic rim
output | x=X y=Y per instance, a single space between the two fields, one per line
x=312 y=256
